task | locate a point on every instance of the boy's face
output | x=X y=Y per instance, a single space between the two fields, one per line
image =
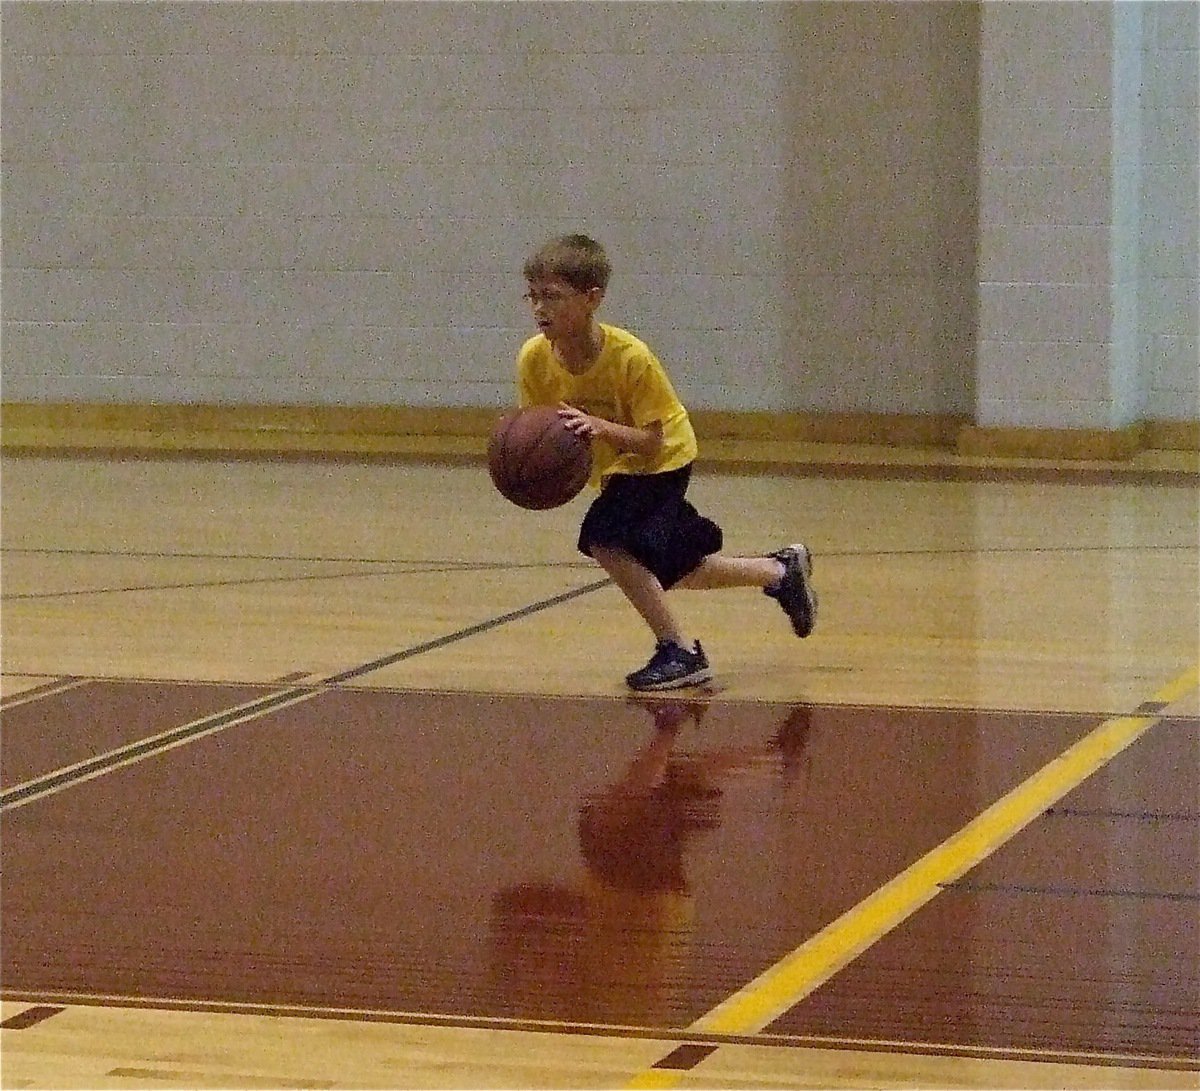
x=560 y=310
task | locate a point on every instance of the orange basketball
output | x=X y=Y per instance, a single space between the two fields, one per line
x=536 y=461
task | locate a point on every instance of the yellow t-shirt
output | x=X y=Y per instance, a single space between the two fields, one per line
x=626 y=385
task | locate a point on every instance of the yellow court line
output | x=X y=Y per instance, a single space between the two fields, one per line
x=816 y=960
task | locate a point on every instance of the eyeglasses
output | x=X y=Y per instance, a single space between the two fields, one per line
x=553 y=297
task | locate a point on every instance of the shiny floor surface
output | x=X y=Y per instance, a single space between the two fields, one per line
x=352 y=742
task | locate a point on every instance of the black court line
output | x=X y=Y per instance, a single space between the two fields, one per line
x=667 y=1035
x=1150 y=708
x=965 y=886
x=1149 y=547
x=685 y=1057
x=30 y=1017
x=189 y=585
x=58 y=684
x=162 y=555
x=182 y=1077
x=473 y=630
x=1137 y=816
x=429 y=567
x=101 y=764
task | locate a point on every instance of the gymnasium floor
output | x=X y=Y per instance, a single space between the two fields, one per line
x=322 y=774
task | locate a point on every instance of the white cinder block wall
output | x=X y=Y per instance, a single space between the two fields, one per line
x=330 y=203
x=318 y=203
x=1169 y=251
x=1088 y=211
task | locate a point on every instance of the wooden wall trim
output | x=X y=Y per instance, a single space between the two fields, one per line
x=1082 y=444
x=463 y=431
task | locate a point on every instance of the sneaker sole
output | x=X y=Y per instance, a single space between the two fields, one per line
x=696 y=678
x=806 y=624
x=809 y=621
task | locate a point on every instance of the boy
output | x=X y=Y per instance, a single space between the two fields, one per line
x=640 y=529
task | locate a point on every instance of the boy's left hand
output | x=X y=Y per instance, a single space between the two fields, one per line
x=578 y=421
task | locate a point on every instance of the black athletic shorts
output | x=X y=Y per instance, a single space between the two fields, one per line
x=647 y=516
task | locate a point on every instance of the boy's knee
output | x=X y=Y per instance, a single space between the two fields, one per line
x=610 y=554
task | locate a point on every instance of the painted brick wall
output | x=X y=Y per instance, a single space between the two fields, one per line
x=330 y=203
x=1170 y=210
x=1088 y=214
x=1046 y=215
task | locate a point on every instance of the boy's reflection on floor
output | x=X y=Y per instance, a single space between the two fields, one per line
x=614 y=947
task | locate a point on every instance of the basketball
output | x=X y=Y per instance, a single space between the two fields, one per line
x=536 y=461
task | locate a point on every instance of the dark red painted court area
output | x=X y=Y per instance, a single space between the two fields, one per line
x=599 y=861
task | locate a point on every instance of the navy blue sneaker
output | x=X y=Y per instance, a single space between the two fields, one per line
x=794 y=592
x=671 y=667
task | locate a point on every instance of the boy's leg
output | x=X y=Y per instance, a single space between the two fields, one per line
x=673 y=664
x=645 y=535
x=785 y=576
x=641 y=587
x=717 y=571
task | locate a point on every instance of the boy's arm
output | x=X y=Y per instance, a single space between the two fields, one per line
x=525 y=393
x=642 y=441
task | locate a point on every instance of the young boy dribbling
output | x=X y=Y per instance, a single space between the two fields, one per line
x=641 y=529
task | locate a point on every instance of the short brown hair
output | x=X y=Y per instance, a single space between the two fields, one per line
x=577 y=259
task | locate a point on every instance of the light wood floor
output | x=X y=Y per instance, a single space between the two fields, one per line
x=1014 y=594
x=112 y=1047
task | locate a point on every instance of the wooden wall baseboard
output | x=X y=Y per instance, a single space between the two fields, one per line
x=1173 y=435
x=323 y=420
x=1081 y=444
x=938 y=430
x=384 y=428
x=462 y=432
